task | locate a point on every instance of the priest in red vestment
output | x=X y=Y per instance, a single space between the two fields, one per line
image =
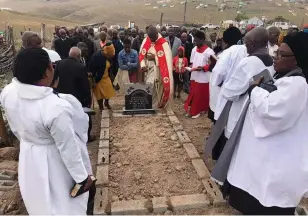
x=198 y=98
x=156 y=63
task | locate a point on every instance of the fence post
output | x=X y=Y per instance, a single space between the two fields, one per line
x=43 y=34
x=12 y=40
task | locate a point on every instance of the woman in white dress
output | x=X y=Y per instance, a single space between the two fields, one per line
x=50 y=160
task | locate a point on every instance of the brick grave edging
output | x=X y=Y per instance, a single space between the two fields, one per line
x=157 y=205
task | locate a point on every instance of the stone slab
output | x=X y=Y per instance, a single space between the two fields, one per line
x=102 y=175
x=160 y=205
x=183 y=137
x=101 y=201
x=105 y=123
x=132 y=207
x=8 y=175
x=7 y=185
x=120 y=115
x=201 y=169
x=213 y=191
x=178 y=127
x=174 y=119
x=191 y=150
x=103 y=156
x=170 y=112
x=104 y=134
x=104 y=144
x=194 y=201
x=105 y=114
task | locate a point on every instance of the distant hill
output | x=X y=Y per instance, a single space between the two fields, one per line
x=120 y=11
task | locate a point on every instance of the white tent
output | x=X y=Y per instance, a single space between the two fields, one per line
x=255 y=21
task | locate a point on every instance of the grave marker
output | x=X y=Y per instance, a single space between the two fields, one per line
x=138 y=99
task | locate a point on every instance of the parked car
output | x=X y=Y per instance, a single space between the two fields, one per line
x=284 y=25
x=210 y=26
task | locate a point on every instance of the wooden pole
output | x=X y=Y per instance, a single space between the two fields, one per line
x=161 y=19
x=11 y=32
x=43 y=34
x=185 y=9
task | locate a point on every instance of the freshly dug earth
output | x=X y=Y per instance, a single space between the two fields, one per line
x=148 y=161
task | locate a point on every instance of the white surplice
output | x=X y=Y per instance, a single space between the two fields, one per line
x=81 y=125
x=224 y=68
x=234 y=89
x=50 y=160
x=270 y=161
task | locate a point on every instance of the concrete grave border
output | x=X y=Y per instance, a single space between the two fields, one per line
x=157 y=205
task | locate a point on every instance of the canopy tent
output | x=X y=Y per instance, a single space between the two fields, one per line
x=255 y=21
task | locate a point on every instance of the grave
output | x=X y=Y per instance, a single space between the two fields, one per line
x=138 y=99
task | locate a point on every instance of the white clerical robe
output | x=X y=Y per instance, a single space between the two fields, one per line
x=270 y=162
x=153 y=75
x=272 y=49
x=50 y=160
x=235 y=88
x=81 y=125
x=224 y=68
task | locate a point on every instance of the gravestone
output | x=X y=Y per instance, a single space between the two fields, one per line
x=138 y=99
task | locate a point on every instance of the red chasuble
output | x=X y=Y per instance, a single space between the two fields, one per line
x=163 y=66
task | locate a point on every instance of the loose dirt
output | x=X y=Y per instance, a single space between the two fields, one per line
x=148 y=161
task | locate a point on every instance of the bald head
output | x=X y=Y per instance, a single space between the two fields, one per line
x=31 y=39
x=256 y=39
x=75 y=52
x=153 y=33
x=184 y=37
x=273 y=33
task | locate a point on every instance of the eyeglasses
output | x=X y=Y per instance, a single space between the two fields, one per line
x=279 y=55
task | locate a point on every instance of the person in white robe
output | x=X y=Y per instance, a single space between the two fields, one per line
x=274 y=33
x=230 y=56
x=235 y=88
x=156 y=65
x=198 y=99
x=268 y=174
x=50 y=160
x=228 y=60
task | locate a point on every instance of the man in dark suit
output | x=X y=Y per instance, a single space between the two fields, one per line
x=188 y=48
x=74 y=81
x=80 y=37
x=63 y=44
x=189 y=37
x=118 y=46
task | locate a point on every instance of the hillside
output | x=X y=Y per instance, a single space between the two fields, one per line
x=120 y=11
x=23 y=21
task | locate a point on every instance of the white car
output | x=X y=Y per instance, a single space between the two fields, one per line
x=284 y=25
x=210 y=26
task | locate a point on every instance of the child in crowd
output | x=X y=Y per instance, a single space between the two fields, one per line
x=179 y=64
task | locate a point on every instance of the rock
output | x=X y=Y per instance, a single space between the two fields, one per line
x=155 y=180
x=125 y=149
x=169 y=171
x=177 y=145
x=138 y=175
x=162 y=134
x=121 y=197
x=9 y=153
x=138 y=197
x=168 y=212
x=111 y=138
x=115 y=198
x=174 y=137
x=113 y=184
x=119 y=165
x=117 y=145
x=126 y=163
x=165 y=139
x=178 y=168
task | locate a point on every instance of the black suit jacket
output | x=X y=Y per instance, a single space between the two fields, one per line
x=188 y=49
x=62 y=47
x=73 y=79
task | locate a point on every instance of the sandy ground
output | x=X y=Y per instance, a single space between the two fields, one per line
x=147 y=160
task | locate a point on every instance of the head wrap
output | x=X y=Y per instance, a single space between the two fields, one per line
x=109 y=50
x=298 y=43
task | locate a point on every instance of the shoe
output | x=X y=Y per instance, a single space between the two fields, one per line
x=196 y=116
x=91 y=138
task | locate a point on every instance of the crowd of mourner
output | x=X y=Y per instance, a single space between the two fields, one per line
x=251 y=83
